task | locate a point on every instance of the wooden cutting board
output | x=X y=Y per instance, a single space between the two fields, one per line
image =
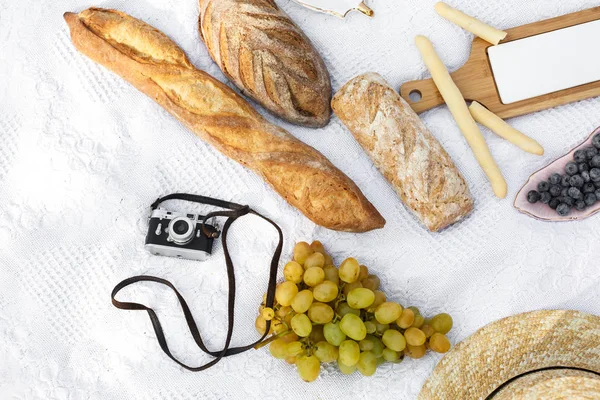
x=538 y=66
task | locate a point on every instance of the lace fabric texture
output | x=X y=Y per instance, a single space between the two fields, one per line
x=83 y=155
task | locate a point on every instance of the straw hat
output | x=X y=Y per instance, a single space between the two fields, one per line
x=537 y=355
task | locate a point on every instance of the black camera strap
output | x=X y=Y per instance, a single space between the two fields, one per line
x=236 y=211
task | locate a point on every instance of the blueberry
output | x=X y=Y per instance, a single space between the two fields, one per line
x=575 y=193
x=554 y=203
x=594 y=174
x=580 y=205
x=576 y=181
x=586 y=176
x=596 y=141
x=565 y=182
x=579 y=156
x=563 y=210
x=584 y=166
x=597 y=184
x=555 y=190
x=555 y=179
x=543 y=186
x=533 y=196
x=597 y=193
x=595 y=163
x=567 y=200
x=591 y=152
x=590 y=199
x=588 y=188
x=545 y=197
x=564 y=192
x=571 y=169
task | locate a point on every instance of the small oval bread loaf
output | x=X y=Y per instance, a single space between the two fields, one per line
x=404 y=150
x=260 y=49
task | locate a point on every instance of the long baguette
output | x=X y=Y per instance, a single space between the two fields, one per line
x=155 y=65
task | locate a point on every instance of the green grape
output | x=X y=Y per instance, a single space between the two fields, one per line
x=346 y=370
x=291 y=360
x=348 y=287
x=442 y=323
x=439 y=343
x=415 y=352
x=369 y=284
x=428 y=330
x=415 y=310
x=406 y=319
x=371 y=327
x=380 y=361
x=366 y=344
x=349 y=270
x=326 y=291
x=353 y=327
x=332 y=274
x=317 y=247
x=343 y=309
x=302 y=301
x=261 y=325
x=285 y=293
x=388 y=312
x=333 y=334
x=320 y=313
x=381 y=328
x=317 y=335
x=375 y=280
x=415 y=337
x=309 y=368
x=328 y=260
x=295 y=349
x=419 y=321
x=378 y=346
x=364 y=273
x=301 y=325
x=268 y=314
x=360 y=298
x=278 y=348
x=380 y=298
x=278 y=327
x=315 y=260
x=302 y=251
x=390 y=355
x=367 y=363
x=293 y=272
x=282 y=312
x=349 y=352
x=326 y=352
x=313 y=276
x=289 y=337
x=394 y=340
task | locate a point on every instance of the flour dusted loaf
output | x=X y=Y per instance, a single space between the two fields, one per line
x=407 y=154
x=268 y=57
x=151 y=62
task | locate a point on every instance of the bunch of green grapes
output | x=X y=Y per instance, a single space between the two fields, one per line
x=325 y=314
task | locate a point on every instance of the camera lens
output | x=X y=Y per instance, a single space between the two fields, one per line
x=180 y=227
x=181 y=230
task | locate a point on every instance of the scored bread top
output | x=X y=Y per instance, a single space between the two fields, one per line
x=268 y=57
x=150 y=61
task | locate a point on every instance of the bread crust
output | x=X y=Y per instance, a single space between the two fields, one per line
x=403 y=149
x=265 y=54
x=155 y=65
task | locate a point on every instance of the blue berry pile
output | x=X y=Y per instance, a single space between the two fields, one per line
x=578 y=188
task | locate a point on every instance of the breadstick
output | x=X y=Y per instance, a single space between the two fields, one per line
x=497 y=125
x=471 y=24
x=458 y=107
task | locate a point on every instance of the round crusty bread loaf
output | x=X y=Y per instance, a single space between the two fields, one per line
x=268 y=57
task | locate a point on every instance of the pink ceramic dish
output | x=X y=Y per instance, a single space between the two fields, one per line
x=542 y=211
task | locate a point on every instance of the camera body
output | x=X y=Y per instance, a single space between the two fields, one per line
x=179 y=235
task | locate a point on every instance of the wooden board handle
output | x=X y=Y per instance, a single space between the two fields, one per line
x=421 y=95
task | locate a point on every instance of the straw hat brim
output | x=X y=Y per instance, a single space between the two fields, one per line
x=556 y=384
x=514 y=346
